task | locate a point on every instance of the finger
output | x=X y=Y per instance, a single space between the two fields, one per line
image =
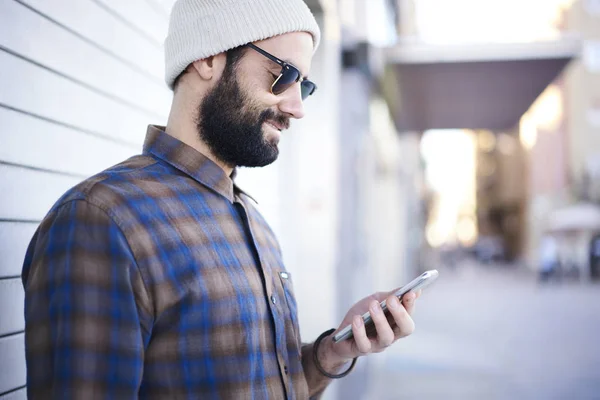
x=363 y=344
x=404 y=323
x=408 y=300
x=385 y=334
x=419 y=293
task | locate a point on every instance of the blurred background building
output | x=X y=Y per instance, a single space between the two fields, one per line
x=444 y=134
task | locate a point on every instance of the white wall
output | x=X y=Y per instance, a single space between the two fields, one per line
x=79 y=82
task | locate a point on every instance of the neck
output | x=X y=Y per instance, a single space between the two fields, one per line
x=181 y=126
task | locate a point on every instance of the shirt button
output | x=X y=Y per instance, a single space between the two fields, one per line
x=285 y=369
x=273 y=299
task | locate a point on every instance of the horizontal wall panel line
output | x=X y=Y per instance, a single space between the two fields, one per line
x=77 y=128
x=153 y=78
x=110 y=96
x=50 y=171
x=13 y=391
x=20 y=221
x=125 y=21
x=6 y=278
x=12 y=333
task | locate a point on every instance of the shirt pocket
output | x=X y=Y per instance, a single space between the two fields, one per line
x=285 y=278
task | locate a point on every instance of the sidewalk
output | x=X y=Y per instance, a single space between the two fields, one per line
x=488 y=333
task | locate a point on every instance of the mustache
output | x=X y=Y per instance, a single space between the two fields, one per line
x=280 y=119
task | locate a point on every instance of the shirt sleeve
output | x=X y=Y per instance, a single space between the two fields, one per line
x=87 y=317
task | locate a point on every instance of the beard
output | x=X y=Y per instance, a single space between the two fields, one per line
x=232 y=125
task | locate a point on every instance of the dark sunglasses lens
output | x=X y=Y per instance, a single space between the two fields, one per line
x=289 y=76
x=308 y=88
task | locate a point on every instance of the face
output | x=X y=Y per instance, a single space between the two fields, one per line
x=240 y=119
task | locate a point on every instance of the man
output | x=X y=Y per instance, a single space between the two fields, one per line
x=158 y=278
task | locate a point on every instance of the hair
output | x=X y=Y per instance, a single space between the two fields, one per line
x=234 y=56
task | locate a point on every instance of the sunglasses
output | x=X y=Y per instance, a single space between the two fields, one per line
x=288 y=76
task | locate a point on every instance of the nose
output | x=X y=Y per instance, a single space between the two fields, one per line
x=291 y=102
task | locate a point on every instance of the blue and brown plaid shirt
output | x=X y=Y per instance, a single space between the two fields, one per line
x=158 y=278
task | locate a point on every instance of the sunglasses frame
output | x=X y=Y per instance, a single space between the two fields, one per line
x=284 y=67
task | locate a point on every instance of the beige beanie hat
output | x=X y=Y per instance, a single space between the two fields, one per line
x=202 y=28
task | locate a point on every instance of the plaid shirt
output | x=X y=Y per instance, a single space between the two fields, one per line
x=159 y=279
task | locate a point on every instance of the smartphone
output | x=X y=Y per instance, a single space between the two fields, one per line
x=425 y=279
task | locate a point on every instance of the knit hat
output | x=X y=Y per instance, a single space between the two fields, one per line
x=202 y=28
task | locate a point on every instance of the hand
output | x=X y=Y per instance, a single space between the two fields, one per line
x=387 y=329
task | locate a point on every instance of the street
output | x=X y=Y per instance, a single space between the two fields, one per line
x=487 y=333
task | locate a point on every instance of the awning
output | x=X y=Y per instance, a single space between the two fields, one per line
x=577 y=217
x=479 y=86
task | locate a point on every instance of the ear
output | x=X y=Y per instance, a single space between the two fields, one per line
x=205 y=68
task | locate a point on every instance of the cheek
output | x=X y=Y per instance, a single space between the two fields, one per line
x=258 y=100
x=258 y=91
x=261 y=94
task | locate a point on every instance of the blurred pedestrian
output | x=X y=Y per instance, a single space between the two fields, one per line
x=549 y=261
x=158 y=278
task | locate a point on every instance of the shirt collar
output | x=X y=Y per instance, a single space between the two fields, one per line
x=189 y=161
